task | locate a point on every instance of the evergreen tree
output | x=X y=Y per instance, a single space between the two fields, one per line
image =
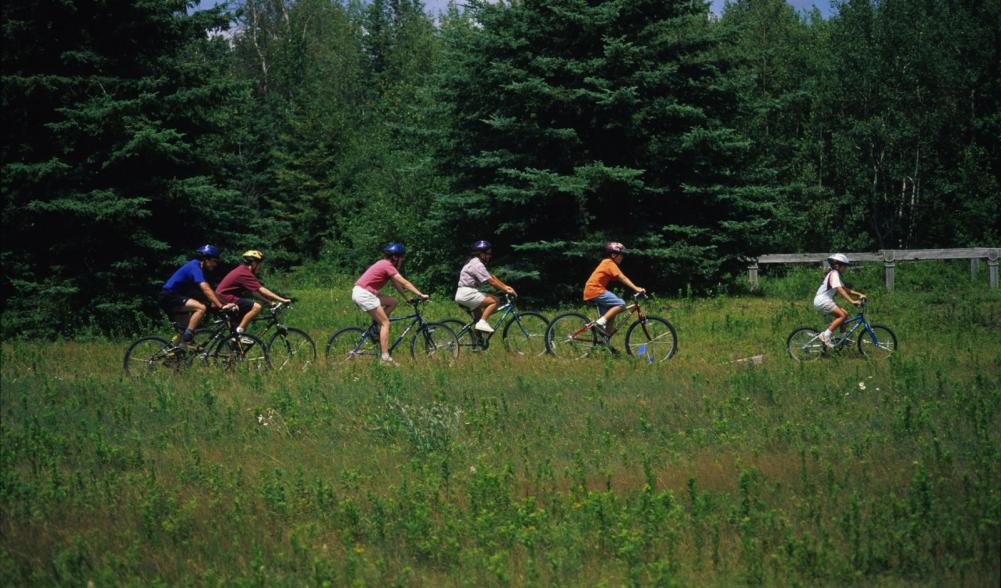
x=113 y=113
x=580 y=122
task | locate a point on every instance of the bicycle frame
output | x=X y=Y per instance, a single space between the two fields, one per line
x=373 y=330
x=506 y=310
x=856 y=321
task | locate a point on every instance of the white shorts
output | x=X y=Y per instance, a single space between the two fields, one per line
x=364 y=299
x=824 y=305
x=470 y=298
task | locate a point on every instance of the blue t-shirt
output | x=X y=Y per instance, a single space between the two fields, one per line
x=186 y=279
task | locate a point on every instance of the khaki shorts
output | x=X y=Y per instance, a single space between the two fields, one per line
x=364 y=299
x=470 y=298
x=824 y=305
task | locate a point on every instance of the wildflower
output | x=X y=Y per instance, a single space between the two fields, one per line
x=861 y=385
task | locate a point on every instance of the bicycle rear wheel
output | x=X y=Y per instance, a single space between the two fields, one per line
x=882 y=343
x=151 y=356
x=435 y=343
x=651 y=339
x=234 y=353
x=469 y=340
x=352 y=342
x=525 y=334
x=803 y=344
x=292 y=349
x=569 y=336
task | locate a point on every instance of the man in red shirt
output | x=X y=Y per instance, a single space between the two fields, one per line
x=241 y=286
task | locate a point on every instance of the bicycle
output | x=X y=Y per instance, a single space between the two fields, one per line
x=222 y=346
x=288 y=347
x=523 y=333
x=876 y=341
x=572 y=335
x=434 y=341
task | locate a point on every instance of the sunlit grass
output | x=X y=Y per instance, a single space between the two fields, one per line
x=512 y=470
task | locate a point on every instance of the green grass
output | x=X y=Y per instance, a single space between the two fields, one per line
x=505 y=470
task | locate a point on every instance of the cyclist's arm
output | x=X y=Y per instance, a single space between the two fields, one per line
x=496 y=283
x=399 y=282
x=628 y=282
x=210 y=295
x=844 y=293
x=269 y=295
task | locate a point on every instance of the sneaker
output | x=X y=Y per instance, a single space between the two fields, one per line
x=825 y=338
x=246 y=340
x=482 y=325
x=388 y=361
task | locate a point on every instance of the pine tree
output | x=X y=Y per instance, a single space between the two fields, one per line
x=114 y=114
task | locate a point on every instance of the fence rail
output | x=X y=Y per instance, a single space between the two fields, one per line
x=889 y=258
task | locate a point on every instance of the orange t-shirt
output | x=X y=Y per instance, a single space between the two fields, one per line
x=606 y=271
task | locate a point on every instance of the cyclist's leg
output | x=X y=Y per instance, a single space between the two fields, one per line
x=488 y=306
x=609 y=305
x=380 y=318
x=840 y=315
x=248 y=309
x=388 y=303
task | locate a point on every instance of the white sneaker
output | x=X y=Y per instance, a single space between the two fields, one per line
x=482 y=325
x=825 y=338
x=388 y=361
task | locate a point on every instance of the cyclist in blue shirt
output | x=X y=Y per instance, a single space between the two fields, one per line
x=188 y=290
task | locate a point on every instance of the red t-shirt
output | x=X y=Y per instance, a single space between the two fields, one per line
x=376 y=276
x=237 y=282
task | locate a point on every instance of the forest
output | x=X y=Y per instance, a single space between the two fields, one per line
x=319 y=130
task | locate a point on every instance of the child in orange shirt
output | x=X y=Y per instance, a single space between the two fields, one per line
x=596 y=288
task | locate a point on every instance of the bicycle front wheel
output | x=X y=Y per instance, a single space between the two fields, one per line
x=352 y=342
x=435 y=343
x=651 y=339
x=291 y=349
x=569 y=336
x=525 y=334
x=241 y=352
x=151 y=356
x=804 y=344
x=880 y=344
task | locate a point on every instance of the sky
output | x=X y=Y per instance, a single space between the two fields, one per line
x=436 y=6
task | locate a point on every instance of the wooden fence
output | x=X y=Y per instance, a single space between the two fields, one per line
x=889 y=257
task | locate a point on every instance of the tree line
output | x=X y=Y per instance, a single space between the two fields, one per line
x=318 y=130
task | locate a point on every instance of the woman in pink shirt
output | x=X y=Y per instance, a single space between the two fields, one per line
x=366 y=291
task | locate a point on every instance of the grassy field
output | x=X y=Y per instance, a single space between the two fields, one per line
x=511 y=471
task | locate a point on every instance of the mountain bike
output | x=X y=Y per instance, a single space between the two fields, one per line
x=523 y=333
x=876 y=341
x=218 y=344
x=288 y=347
x=572 y=335
x=432 y=341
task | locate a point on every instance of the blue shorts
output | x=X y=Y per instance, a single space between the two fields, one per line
x=607 y=300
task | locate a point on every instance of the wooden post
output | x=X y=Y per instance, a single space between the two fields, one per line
x=888 y=264
x=992 y=268
x=752 y=273
x=974 y=268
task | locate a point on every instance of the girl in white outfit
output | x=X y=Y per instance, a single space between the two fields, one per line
x=824 y=299
x=473 y=275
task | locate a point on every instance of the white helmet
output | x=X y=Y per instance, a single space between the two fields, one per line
x=839 y=258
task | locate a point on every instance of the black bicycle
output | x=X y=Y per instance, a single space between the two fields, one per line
x=523 y=333
x=288 y=347
x=572 y=335
x=218 y=344
x=434 y=342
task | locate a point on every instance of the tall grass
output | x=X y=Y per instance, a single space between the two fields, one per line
x=512 y=471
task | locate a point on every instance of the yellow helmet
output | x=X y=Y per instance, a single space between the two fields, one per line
x=253 y=255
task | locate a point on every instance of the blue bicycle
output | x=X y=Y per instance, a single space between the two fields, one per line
x=434 y=342
x=876 y=341
x=523 y=333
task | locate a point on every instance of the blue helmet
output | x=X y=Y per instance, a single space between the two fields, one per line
x=481 y=245
x=395 y=249
x=206 y=251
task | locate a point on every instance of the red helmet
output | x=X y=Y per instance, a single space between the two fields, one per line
x=615 y=247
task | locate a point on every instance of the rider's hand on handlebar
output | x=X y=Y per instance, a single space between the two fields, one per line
x=511 y=291
x=230 y=307
x=424 y=297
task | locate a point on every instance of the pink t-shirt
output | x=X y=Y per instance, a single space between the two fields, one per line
x=376 y=276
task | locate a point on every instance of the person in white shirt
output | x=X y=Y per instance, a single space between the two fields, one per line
x=823 y=301
x=473 y=275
